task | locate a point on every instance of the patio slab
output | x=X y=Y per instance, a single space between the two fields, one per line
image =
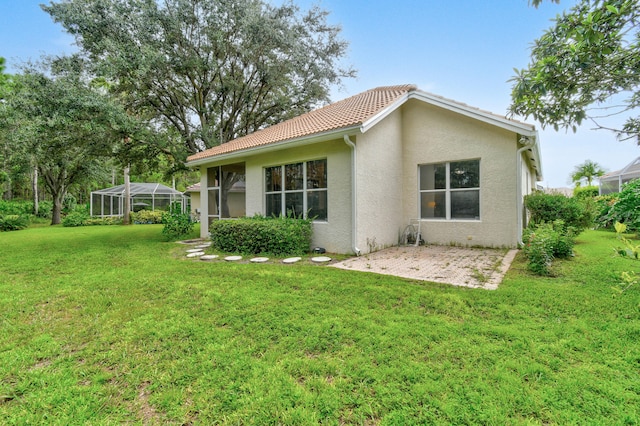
x=467 y=267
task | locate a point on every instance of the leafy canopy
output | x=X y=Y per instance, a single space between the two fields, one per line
x=589 y=57
x=63 y=124
x=211 y=70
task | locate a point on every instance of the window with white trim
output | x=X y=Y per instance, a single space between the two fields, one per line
x=298 y=189
x=450 y=190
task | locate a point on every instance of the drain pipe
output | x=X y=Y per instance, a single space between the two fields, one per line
x=354 y=193
x=528 y=143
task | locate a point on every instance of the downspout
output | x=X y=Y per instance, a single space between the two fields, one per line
x=528 y=143
x=354 y=193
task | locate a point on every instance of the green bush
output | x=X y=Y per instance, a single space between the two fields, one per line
x=623 y=207
x=176 y=224
x=146 y=217
x=547 y=208
x=585 y=192
x=13 y=222
x=76 y=218
x=98 y=221
x=274 y=236
x=16 y=207
x=545 y=242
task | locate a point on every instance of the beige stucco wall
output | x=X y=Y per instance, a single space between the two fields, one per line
x=334 y=234
x=379 y=184
x=433 y=135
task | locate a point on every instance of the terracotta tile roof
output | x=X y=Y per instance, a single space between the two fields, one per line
x=349 y=112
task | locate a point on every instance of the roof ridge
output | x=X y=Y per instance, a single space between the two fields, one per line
x=348 y=112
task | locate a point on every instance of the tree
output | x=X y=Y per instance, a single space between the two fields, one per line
x=588 y=58
x=69 y=127
x=211 y=70
x=587 y=170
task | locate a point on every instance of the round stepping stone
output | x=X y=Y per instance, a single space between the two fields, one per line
x=196 y=254
x=196 y=250
x=291 y=260
x=233 y=258
x=259 y=259
x=321 y=259
x=205 y=245
x=209 y=257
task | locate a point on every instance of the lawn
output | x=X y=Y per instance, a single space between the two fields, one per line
x=112 y=325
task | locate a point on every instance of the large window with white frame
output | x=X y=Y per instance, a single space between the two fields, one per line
x=450 y=191
x=298 y=189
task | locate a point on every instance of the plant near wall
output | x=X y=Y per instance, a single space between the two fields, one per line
x=281 y=236
x=545 y=242
x=176 y=223
x=548 y=208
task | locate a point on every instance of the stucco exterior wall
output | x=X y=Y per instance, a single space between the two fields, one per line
x=379 y=184
x=435 y=135
x=334 y=234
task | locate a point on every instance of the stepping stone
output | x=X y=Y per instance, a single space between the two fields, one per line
x=209 y=257
x=290 y=260
x=196 y=250
x=205 y=245
x=259 y=259
x=196 y=254
x=321 y=259
x=233 y=258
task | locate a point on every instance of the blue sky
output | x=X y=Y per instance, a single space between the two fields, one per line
x=463 y=50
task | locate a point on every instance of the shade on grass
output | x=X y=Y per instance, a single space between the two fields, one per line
x=108 y=325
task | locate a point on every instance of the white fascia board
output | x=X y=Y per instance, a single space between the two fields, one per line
x=291 y=143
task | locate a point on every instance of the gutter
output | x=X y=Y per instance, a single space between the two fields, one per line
x=354 y=193
x=528 y=143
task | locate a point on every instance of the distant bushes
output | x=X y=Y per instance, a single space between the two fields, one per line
x=258 y=234
x=146 y=217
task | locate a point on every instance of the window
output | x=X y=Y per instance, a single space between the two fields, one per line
x=450 y=190
x=297 y=189
x=226 y=191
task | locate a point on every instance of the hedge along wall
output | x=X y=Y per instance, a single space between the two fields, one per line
x=274 y=236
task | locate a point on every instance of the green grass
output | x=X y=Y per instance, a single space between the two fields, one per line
x=112 y=325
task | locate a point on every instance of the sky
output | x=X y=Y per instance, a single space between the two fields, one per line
x=465 y=50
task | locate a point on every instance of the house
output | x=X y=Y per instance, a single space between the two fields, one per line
x=613 y=181
x=367 y=166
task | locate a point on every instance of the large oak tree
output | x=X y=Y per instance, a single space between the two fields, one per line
x=213 y=70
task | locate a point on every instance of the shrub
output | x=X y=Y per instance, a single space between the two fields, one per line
x=585 y=192
x=146 y=217
x=547 y=208
x=544 y=242
x=623 y=207
x=97 y=221
x=13 y=222
x=274 y=236
x=76 y=218
x=176 y=224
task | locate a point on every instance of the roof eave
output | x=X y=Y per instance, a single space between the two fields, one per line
x=290 y=143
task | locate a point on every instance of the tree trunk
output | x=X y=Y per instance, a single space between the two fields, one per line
x=34 y=186
x=56 y=216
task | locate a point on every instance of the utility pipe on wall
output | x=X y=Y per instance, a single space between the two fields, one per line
x=528 y=143
x=354 y=201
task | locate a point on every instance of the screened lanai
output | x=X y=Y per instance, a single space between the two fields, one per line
x=143 y=196
x=612 y=182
